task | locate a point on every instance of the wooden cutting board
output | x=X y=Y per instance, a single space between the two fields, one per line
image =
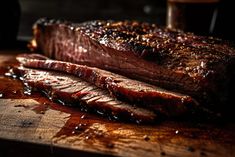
x=32 y=125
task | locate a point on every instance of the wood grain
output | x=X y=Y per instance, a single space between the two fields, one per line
x=34 y=119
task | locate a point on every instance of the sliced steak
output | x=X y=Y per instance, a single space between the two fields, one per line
x=135 y=92
x=71 y=90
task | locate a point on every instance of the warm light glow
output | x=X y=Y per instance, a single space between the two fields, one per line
x=32 y=45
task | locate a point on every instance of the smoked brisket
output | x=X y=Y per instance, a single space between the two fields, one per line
x=201 y=67
x=71 y=90
x=165 y=102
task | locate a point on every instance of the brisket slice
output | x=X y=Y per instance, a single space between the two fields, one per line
x=199 y=66
x=71 y=90
x=162 y=101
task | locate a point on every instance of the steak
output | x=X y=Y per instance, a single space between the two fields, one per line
x=71 y=90
x=164 y=102
x=199 y=66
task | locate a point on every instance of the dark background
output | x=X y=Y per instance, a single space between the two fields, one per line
x=19 y=15
x=83 y=10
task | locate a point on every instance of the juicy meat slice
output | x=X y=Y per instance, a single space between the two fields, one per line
x=71 y=90
x=165 y=102
x=199 y=66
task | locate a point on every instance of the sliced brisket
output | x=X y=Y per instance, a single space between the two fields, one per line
x=135 y=92
x=71 y=90
x=199 y=66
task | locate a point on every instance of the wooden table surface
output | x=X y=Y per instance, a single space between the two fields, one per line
x=31 y=125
